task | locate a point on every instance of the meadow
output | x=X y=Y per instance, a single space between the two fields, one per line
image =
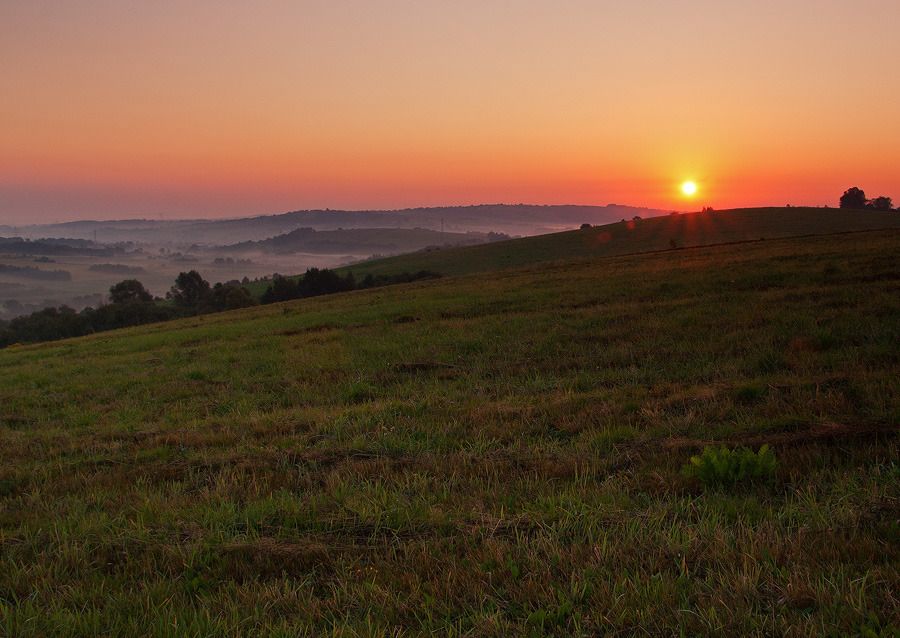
x=482 y=455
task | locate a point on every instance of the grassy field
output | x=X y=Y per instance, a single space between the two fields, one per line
x=630 y=236
x=489 y=455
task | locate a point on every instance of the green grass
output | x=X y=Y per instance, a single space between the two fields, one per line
x=722 y=466
x=488 y=455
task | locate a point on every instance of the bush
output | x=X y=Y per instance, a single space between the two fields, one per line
x=723 y=467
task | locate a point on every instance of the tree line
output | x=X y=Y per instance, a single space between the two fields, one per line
x=131 y=304
x=324 y=282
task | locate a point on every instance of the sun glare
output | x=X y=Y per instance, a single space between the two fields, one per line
x=689 y=189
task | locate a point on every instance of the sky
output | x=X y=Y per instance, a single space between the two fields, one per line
x=165 y=109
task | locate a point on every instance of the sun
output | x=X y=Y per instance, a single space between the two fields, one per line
x=689 y=188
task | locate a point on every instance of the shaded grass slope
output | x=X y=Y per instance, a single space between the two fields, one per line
x=636 y=236
x=480 y=456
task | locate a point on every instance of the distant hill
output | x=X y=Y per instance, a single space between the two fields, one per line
x=637 y=236
x=518 y=219
x=21 y=246
x=28 y=272
x=360 y=241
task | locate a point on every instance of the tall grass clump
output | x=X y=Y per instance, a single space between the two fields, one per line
x=723 y=467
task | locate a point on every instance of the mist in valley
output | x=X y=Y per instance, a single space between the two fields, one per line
x=75 y=263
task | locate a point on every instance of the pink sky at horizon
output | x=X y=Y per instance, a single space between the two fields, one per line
x=129 y=109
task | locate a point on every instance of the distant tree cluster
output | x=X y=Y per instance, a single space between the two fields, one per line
x=131 y=304
x=231 y=261
x=129 y=291
x=311 y=284
x=51 y=324
x=855 y=198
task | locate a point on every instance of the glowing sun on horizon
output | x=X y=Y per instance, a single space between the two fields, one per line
x=689 y=188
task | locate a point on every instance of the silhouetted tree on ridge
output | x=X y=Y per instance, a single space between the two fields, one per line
x=882 y=203
x=853 y=198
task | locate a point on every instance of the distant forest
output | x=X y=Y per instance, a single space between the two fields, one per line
x=20 y=246
x=35 y=273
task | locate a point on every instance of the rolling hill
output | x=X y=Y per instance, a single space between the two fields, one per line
x=516 y=219
x=355 y=241
x=486 y=455
x=637 y=236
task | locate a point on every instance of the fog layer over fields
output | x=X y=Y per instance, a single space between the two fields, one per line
x=82 y=259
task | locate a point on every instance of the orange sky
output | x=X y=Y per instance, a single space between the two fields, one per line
x=124 y=108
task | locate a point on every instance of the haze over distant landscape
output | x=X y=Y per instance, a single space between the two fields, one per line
x=75 y=263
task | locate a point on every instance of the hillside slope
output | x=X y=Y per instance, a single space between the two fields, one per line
x=483 y=455
x=657 y=233
x=366 y=241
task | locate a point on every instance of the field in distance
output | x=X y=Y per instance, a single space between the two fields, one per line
x=488 y=455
